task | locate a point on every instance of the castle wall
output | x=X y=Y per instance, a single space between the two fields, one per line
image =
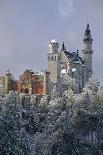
x=32 y=82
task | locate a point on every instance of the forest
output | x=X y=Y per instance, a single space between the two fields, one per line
x=66 y=124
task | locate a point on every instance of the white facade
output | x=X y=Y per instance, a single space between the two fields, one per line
x=87 y=52
x=54 y=64
x=78 y=68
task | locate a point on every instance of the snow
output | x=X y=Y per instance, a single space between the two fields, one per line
x=53 y=41
x=78 y=62
x=61 y=125
x=73 y=69
x=63 y=71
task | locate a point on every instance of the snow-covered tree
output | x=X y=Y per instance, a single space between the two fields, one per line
x=25 y=100
x=69 y=123
x=87 y=104
x=91 y=87
x=12 y=135
x=43 y=104
x=55 y=93
x=57 y=101
x=69 y=83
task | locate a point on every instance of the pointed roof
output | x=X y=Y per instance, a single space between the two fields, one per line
x=87 y=31
x=73 y=57
x=87 y=34
x=63 y=46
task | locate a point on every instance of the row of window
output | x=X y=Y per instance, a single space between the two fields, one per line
x=27 y=90
x=53 y=58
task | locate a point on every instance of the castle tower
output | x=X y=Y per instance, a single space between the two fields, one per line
x=54 y=63
x=8 y=83
x=87 y=52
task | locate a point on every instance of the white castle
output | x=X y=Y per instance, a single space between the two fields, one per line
x=60 y=63
x=78 y=68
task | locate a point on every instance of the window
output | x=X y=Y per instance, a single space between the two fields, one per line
x=52 y=58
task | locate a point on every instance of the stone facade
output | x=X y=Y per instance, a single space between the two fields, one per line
x=7 y=83
x=31 y=83
x=77 y=67
x=54 y=64
x=87 y=52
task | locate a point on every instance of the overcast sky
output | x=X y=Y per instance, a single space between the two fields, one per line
x=27 y=26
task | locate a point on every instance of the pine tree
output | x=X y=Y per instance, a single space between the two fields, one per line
x=12 y=134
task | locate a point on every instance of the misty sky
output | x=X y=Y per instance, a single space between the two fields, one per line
x=27 y=26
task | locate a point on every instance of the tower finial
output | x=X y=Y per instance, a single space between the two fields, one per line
x=53 y=46
x=87 y=31
x=87 y=52
x=87 y=34
x=63 y=46
x=87 y=25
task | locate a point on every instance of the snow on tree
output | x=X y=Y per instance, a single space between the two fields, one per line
x=87 y=104
x=98 y=101
x=65 y=125
x=69 y=83
x=56 y=99
x=2 y=104
x=91 y=87
x=12 y=105
x=43 y=103
x=33 y=99
x=68 y=97
x=55 y=93
x=25 y=100
x=11 y=131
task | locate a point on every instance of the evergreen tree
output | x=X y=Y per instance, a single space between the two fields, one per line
x=12 y=134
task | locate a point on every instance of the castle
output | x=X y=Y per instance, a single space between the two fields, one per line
x=79 y=68
x=59 y=62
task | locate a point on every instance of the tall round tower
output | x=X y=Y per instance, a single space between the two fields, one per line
x=88 y=52
x=53 y=46
x=54 y=63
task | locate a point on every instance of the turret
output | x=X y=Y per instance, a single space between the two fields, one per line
x=53 y=46
x=54 y=63
x=63 y=47
x=87 y=52
x=8 y=84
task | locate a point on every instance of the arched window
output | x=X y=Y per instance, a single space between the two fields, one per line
x=26 y=90
x=52 y=58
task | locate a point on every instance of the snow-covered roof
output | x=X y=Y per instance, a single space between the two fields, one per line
x=77 y=61
x=73 y=69
x=63 y=71
x=73 y=57
x=41 y=73
x=83 y=65
x=53 y=41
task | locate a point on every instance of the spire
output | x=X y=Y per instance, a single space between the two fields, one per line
x=87 y=31
x=63 y=46
x=87 y=34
